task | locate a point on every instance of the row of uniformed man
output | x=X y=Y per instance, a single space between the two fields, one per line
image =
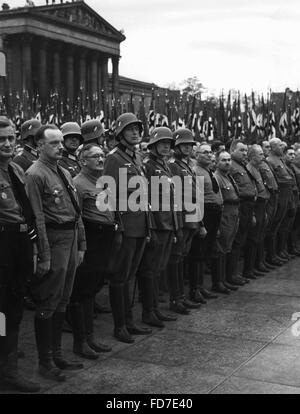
x=51 y=228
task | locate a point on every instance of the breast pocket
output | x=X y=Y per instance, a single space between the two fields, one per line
x=7 y=199
x=55 y=198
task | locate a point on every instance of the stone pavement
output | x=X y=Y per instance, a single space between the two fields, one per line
x=241 y=343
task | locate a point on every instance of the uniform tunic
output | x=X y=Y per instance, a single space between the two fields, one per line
x=230 y=213
x=70 y=163
x=27 y=158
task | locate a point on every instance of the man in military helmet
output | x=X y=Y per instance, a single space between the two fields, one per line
x=29 y=154
x=156 y=255
x=17 y=236
x=72 y=140
x=93 y=132
x=135 y=223
x=181 y=167
x=61 y=247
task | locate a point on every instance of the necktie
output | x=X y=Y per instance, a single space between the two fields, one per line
x=214 y=182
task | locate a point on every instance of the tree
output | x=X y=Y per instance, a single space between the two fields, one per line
x=192 y=86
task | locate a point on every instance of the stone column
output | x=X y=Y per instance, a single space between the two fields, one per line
x=57 y=67
x=99 y=69
x=115 y=77
x=94 y=74
x=42 y=76
x=104 y=75
x=82 y=72
x=70 y=75
x=26 y=41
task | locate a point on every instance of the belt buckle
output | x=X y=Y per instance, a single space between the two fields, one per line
x=23 y=228
x=116 y=227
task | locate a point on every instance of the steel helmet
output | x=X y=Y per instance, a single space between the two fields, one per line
x=30 y=128
x=160 y=134
x=91 y=130
x=183 y=136
x=127 y=119
x=71 y=128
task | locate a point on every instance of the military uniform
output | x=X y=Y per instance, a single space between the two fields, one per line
x=202 y=249
x=228 y=226
x=125 y=261
x=16 y=265
x=156 y=255
x=61 y=235
x=247 y=194
x=181 y=167
x=295 y=231
x=27 y=158
x=70 y=162
x=100 y=230
x=285 y=182
x=256 y=233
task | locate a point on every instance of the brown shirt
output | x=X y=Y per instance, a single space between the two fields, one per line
x=209 y=195
x=245 y=183
x=51 y=202
x=87 y=195
x=279 y=168
x=262 y=191
x=228 y=191
x=10 y=210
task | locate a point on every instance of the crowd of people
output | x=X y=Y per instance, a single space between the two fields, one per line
x=58 y=248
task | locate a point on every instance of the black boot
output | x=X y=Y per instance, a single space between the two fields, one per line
x=147 y=292
x=116 y=296
x=177 y=306
x=44 y=341
x=249 y=261
x=162 y=316
x=132 y=328
x=10 y=378
x=80 y=345
x=217 y=276
x=88 y=309
x=58 y=359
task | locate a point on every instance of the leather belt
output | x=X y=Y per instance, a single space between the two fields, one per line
x=94 y=226
x=14 y=228
x=232 y=202
x=212 y=206
x=247 y=198
x=69 y=225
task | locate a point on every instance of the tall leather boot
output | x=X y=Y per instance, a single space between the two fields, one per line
x=271 y=257
x=216 y=275
x=186 y=302
x=228 y=285
x=116 y=296
x=10 y=378
x=132 y=328
x=249 y=261
x=80 y=345
x=162 y=316
x=88 y=311
x=147 y=292
x=232 y=263
x=259 y=260
x=195 y=294
x=44 y=341
x=58 y=359
x=292 y=243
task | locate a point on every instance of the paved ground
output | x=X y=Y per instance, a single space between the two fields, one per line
x=242 y=343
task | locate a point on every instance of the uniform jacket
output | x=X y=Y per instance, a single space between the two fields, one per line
x=70 y=162
x=51 y=203
x=163 y=220
x=135 y=223
x=27 y=158
x=244 y=179
x=181 y=168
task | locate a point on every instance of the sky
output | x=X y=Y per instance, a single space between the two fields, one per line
x=240 y=44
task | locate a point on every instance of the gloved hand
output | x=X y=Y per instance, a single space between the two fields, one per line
x=202 y=232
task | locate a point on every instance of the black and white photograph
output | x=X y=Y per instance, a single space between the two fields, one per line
x=149 y=200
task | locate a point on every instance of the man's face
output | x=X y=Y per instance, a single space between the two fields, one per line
x=204 y=155
x=51 y=145
x=72 y=142
x=7 y=142
x=277 y=147
x=131 y=134
x=224 y=162
x=240 y=153
x=290 y=155
x=266 y=148
x=163 y=147
x=186 y=149
x=258 y=156
x=94 y=159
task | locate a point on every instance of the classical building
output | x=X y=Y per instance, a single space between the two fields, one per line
x=63 y=47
